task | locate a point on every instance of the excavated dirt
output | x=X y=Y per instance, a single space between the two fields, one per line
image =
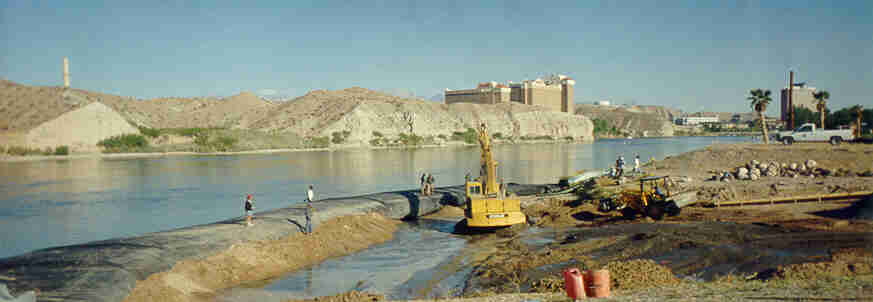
x=197 y=280
x=782 y=251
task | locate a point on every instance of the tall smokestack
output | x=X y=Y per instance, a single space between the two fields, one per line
x=66 y=72
x=790 y=99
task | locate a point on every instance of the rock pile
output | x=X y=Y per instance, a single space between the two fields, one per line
x=755 y=169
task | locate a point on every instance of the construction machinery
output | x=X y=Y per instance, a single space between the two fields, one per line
x=487 y=203
x=652 y=199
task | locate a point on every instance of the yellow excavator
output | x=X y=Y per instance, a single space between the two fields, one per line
x=487 y=203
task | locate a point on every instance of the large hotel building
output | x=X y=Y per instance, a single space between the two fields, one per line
x=554 y=93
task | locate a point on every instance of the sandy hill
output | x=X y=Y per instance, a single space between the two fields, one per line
x=24 y=107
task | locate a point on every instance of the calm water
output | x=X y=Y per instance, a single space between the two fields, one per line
x=62 y=202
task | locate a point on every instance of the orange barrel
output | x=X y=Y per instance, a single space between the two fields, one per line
x=573 y=284
x=598 y=283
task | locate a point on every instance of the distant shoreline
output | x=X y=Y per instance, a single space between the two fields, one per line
x=92 y=155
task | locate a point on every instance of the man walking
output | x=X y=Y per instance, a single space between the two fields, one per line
x=310 y=194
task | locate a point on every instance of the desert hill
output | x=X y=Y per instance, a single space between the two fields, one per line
x=366 y=114
x=360 y=114
x=633 y=120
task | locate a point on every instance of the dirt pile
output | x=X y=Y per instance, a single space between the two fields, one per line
x=351 y=296
x=639 y=273
x=198 y=279
x=836 y=169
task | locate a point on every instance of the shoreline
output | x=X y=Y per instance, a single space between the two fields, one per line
x=96 y=155
x=175 y=260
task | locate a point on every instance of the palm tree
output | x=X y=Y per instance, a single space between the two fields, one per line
x=760 y=99
x=821 y=104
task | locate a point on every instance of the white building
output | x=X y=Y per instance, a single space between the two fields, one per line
x=696 y=120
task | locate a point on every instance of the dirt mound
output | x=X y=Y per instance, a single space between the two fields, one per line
x=640 y=273
x=351 y=296
x=260 y=260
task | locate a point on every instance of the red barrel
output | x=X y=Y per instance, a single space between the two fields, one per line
x=598 y=283
x=573 y=284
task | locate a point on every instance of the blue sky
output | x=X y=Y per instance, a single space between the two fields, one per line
x=693 y=55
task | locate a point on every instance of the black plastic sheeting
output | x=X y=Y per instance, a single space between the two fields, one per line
x=108 y=270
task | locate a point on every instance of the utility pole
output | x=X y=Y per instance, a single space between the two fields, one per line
x=790 y=99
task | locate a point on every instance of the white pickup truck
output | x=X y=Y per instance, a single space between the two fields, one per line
x=809 y=133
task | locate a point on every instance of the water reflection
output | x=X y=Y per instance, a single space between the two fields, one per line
x=50 y=203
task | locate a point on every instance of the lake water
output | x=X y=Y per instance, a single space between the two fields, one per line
x=62 y=202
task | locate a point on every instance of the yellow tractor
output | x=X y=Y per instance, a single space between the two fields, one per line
x=653 y=200
x=487 y=203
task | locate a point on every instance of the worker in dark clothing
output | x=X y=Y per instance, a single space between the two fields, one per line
x=430 y=181
x=309 y=211
x=249 y=207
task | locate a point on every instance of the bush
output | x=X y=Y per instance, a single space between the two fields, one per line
x=442 y=136
x=411 y=139
x=377 y=134
x=22 y=151
x=62 y=150
x=318 y=142
x=497 y=135
x=568 y=137
x=339 y=137
x=2 y=149
x=537 y=137
x=470 y=136
x=150 y=132
x=602 y=127
x=123 y=143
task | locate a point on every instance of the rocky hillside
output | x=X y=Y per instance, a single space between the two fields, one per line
x=360 y=114
x=365 y=114
x=636 y=121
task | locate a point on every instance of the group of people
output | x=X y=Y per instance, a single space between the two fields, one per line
x=618 y=170
x=249 y=207
x=427 y=181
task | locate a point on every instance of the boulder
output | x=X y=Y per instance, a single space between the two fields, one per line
x=792 y=166
x=811 y=163
x=742 y=173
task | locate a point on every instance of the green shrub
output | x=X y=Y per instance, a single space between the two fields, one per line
x=2 y=149
x=411 y=139
x=22 y=151
x=376 y=142
x=150 y=132
x=123 y=143
x=377 y=134
x=224 y=143
x=319 y=142
x=339 y=137
x=442 y=136
x=497 y=135
x=470 y=136
x=568 y=137
x=62 y=150
x=537 y=137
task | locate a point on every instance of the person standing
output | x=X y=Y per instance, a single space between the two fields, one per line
x=310 y=194
x=423 y=183
x=309 y=211
x=249 y=207
x=637 y=164
x=430 y=182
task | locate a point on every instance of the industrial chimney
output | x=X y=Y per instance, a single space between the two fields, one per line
x=66 y=72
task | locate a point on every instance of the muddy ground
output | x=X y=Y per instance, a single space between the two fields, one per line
x=820 y=250
x=784 y=252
